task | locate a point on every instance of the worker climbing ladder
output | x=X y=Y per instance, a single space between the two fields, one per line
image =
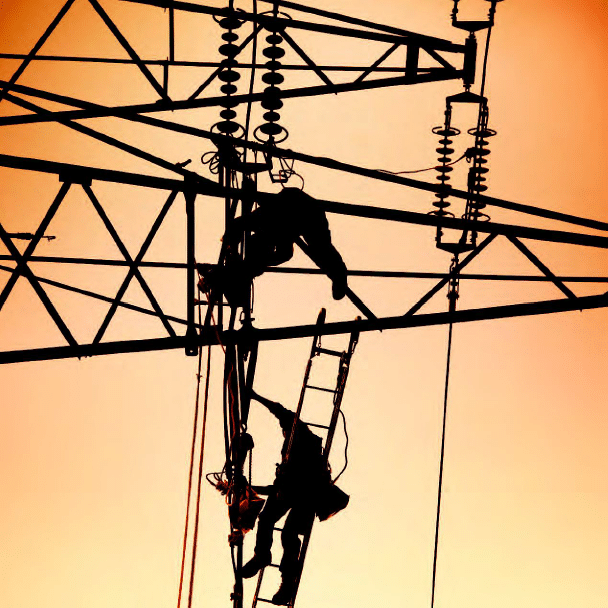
x=344 y=359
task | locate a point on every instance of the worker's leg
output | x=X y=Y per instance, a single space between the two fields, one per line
x=329 y=260
x=298 y=522
x=273 y=510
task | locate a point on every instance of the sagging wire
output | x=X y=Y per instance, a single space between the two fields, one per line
x=468 y=154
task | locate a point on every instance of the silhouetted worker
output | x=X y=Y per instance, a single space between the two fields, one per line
x=303 y=487
x=274 y=227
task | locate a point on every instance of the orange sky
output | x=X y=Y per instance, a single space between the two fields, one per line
x=94 y=453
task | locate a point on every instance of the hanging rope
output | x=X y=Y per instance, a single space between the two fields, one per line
x=189 y=493
x=445 y=411
x=452 y=296
x=191 y=474
x=199 y=480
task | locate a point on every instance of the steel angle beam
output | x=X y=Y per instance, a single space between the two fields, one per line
x=380 y=36
x=213 y=337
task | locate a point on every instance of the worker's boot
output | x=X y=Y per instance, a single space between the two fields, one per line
x=339 y=288
x=255 y=564
x=286 y=592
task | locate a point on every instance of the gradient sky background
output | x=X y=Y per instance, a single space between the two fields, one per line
x=94 y=453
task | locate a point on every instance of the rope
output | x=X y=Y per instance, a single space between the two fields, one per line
x=452 y=297
x=200 y=477
x=200 y=473
x=189 y=493
x=441 y=460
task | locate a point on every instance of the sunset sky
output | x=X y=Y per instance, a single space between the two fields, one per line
x=94 y=453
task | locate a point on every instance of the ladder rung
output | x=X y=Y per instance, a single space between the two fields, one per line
x=320 y=388
x=278 y=529
x=319 y=426
x=261 y=599
x=326 y=351
x=273 y=566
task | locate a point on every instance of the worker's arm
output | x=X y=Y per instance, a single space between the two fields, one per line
x=276 y=409
x=263 y=490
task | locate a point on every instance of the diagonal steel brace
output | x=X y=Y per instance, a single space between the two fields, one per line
x=123 y=250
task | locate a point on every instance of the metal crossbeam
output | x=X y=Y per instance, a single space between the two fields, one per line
x=204 y=186
x=125 y=111
x=333 y=164
x=213 y=337
x=79 y=173
x=389 y=274
x=269 y=21
x=391 y=29
x=202 y=64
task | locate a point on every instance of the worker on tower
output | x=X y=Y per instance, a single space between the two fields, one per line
x=302 y=487
x=269 y=234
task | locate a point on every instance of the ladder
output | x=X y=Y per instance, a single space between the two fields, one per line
x=344 y=358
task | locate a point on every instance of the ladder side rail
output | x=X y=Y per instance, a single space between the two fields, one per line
x=301 y=558
x=313 y=354
x=341 y=385
x=257 y=588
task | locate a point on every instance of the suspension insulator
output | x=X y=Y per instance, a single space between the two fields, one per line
x=444 y=169
x=229 y=75
x=271 y=130
x=477 y=173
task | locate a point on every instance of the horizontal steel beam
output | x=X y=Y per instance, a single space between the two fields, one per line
x=412 y=217
x=212 y=337
x=82 y=174
x=407 y=38
x=391 y=274
x=411 y=274
x=207 y=187
x=202 y=64
x=331 y=164
x=434 y=75
x=391 y=29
